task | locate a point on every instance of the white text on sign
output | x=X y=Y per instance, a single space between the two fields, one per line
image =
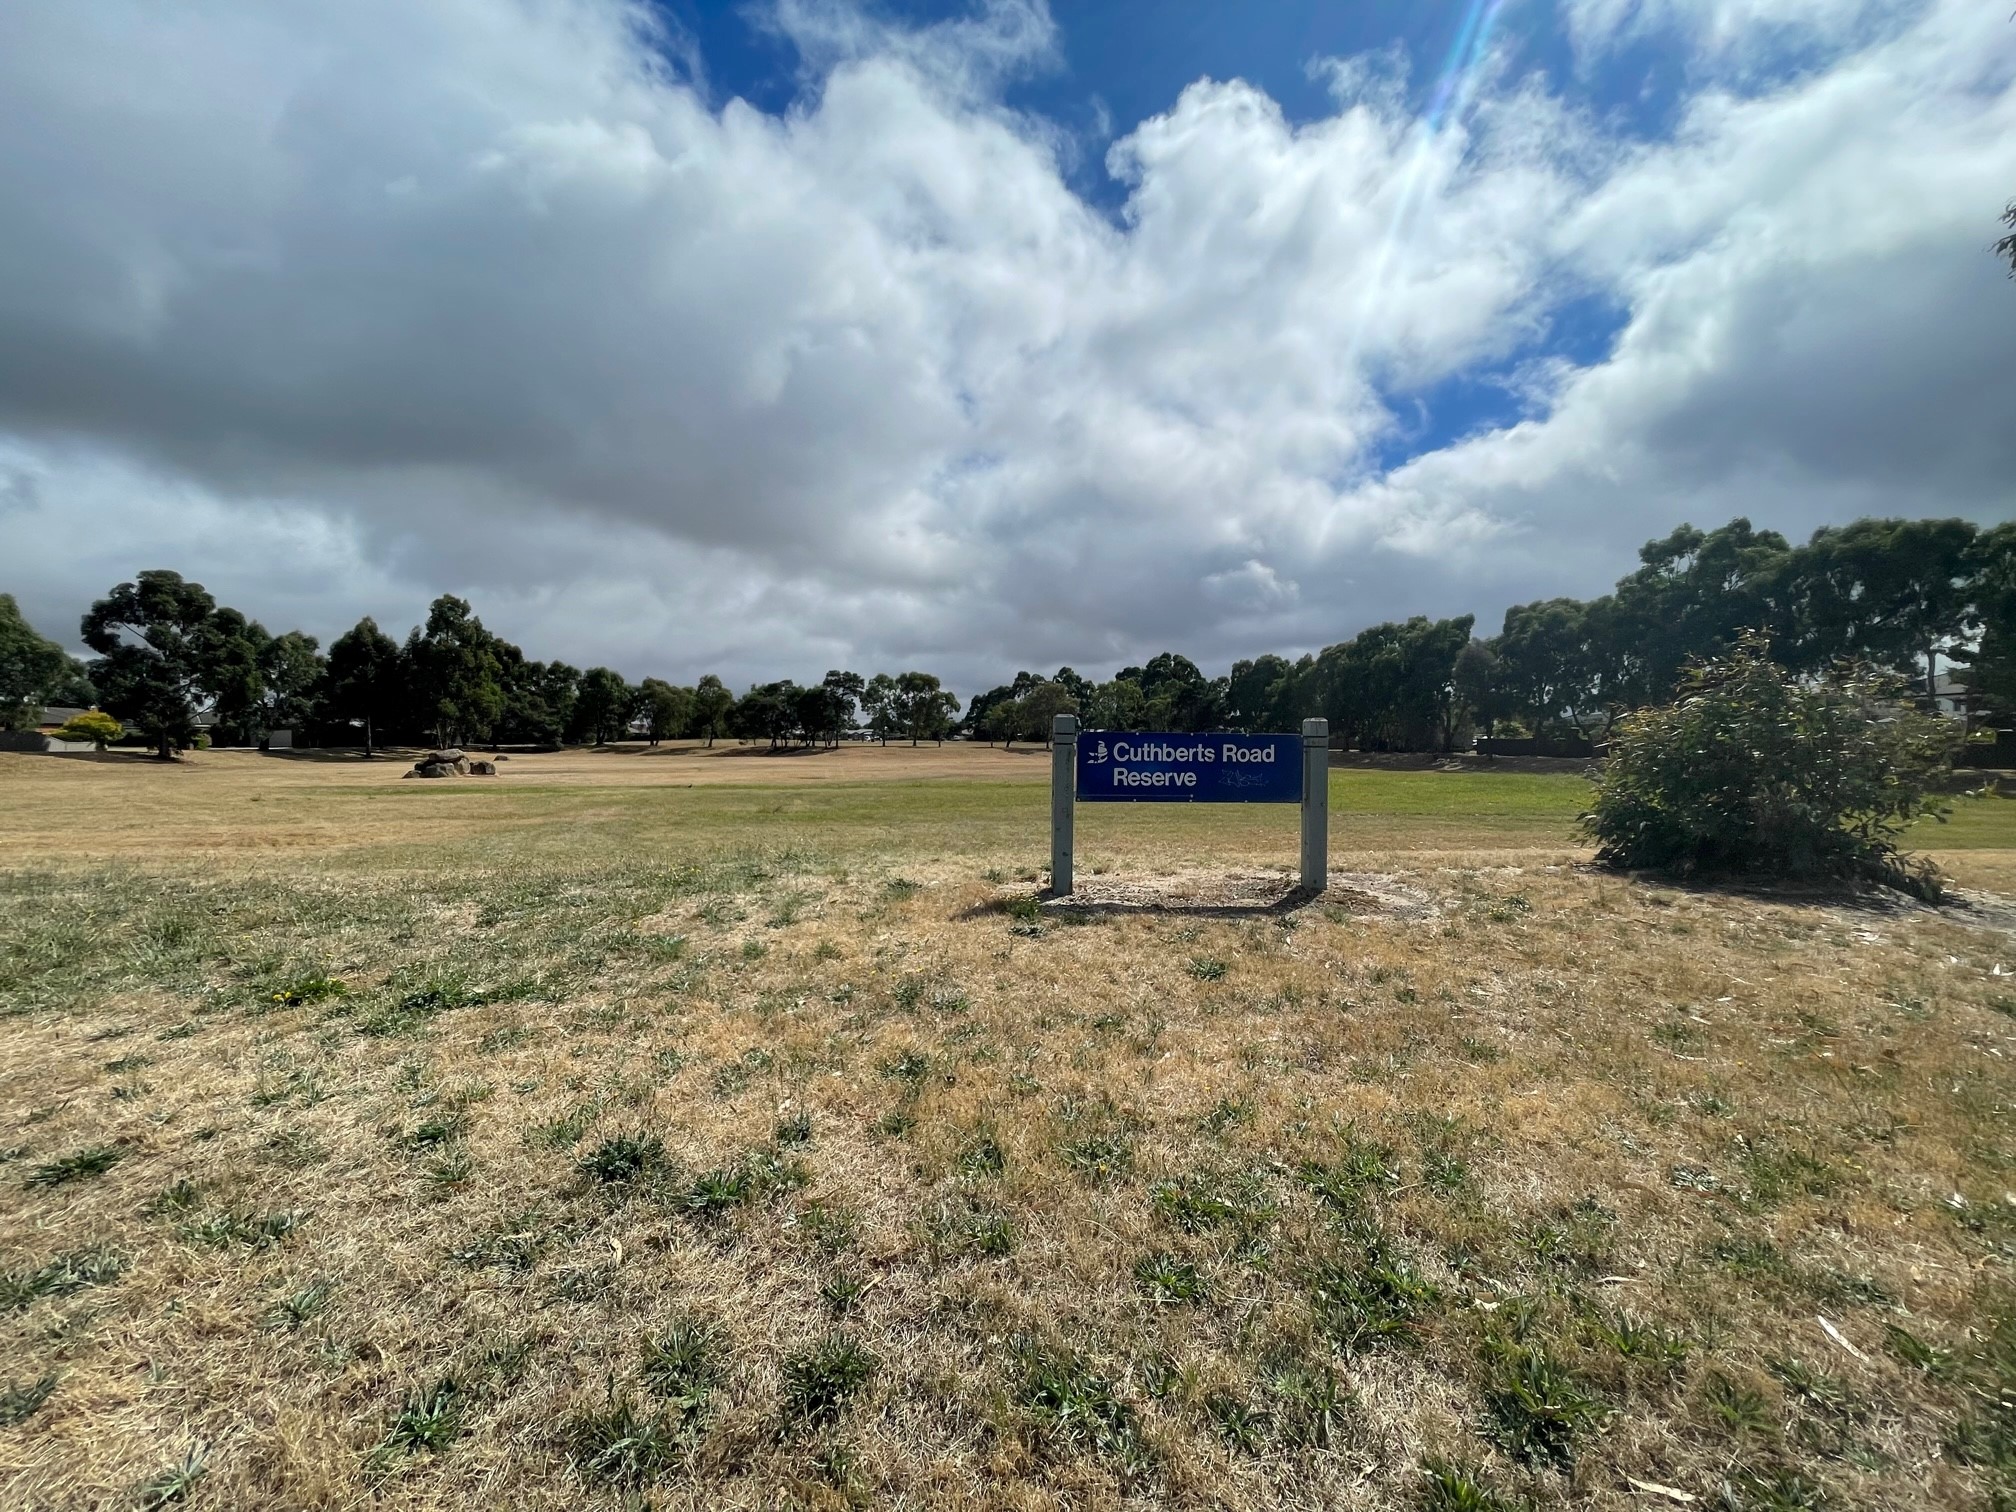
x=1157 y=751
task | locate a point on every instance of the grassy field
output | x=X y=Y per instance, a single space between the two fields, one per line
x=706 y=1129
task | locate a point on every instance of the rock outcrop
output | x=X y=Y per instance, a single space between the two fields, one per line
x=453 y=763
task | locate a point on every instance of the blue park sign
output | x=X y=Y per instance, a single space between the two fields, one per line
x=1119 y=766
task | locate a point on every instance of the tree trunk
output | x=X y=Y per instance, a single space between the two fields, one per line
x=368 y=751
x=165 y=748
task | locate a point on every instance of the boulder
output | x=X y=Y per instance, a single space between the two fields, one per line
x=482 y=769
x=433 y=769
x=448 y=757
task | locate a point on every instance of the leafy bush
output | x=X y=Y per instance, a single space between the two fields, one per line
x=99 y=729
x=1755 y=771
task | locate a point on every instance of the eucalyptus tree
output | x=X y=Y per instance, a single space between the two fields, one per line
x=364 y=679
x=34 y=671
x=165 y=650
x=457 y=668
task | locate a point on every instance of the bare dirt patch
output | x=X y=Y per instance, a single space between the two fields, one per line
x=1233 y=893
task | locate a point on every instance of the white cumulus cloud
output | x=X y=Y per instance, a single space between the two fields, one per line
x=337 y=307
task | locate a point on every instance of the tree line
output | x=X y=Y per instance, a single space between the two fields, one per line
x=171 y=659
x=1906 y=595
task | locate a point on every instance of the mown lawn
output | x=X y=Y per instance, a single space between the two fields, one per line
x=584 y=1143
x=961 y=801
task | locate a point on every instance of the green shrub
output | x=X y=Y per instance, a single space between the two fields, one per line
x=99 y=729
x=1755 y=771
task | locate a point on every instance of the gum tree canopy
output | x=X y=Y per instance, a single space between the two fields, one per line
x=457 y=668
x=364 y=678
x=34 y=672
x=164 y=648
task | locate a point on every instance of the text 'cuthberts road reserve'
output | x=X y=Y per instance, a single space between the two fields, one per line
x=1125 y=767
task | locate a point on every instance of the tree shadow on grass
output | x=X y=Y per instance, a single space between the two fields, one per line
x=113 y=758
x=734 y=753
x=346 y=755
x=1837 y=894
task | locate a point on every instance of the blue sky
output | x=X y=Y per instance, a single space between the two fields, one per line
x=767 y=338
x=1118 y=62
x=1125 y=60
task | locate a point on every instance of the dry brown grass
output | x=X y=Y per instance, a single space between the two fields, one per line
x=121 y=803
x=1730 y=1116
